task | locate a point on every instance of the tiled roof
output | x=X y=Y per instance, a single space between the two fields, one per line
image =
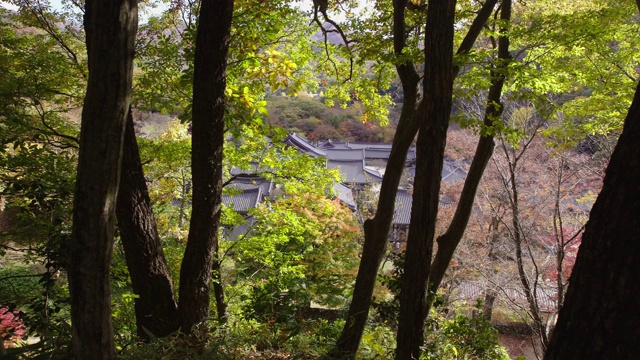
x=345 y=154
x=402 y=212
x=254 y=169
x=404 y=200
x=331 y=144
x=375 y=175
x=452 y=173
x=244 y=201
x=303 y=145
x=350 y=159
x=239 y=231
x=364 y=145
x=345 y=195
x=253 y=182
x=371 y=150
x=353 y=171
x=377 y=153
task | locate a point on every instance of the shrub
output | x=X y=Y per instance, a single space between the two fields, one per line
x=462 y=337
x=12 y=329
x=18 y=287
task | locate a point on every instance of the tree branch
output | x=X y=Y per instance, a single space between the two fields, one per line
x=321 y=6
x=19 y=276
x=36 y=9
x=42 y=114
x=474 y=31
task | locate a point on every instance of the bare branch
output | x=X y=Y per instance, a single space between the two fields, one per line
x=474 y=31
x=36 y=9
x=19 y=276
x=42 y=114
x=321 y=6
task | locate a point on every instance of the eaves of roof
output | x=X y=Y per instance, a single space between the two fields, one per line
x=303 y=145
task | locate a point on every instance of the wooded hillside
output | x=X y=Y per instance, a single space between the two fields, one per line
x=334 y=179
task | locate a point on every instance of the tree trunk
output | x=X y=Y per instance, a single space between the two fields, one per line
x=530 y=290
x=209 y=82
x=600 y=317
x=155 y=307
x=448 y=242
x=416 y=273
x=435 y=111
x=490 y=294
x=110 y=32
x=183 y=201
x=517 y=235
x=487 y=305
x=376 y=230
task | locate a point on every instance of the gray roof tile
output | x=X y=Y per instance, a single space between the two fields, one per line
x=353 y=171
x=303 y=145
x=253 y=182
x=402 y=212
x=345 y=195
x=345 y=154
x=244 y=201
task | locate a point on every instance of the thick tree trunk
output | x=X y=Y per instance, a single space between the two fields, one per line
x=435 y=109
x=110 y=30
x=209 y=82
x=600 y=317
x=156 y=309
x=376 y=230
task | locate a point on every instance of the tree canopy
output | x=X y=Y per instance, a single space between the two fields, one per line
x=177 y=127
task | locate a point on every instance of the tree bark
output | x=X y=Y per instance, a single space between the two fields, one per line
x=600 y=317
x=435 y=111
x=376 y=230
x=155 y=307
x=448 y=242
x=487 y=305
x=110 y=32
x=201 y=253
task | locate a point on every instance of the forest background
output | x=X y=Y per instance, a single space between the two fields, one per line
x=548 y=86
